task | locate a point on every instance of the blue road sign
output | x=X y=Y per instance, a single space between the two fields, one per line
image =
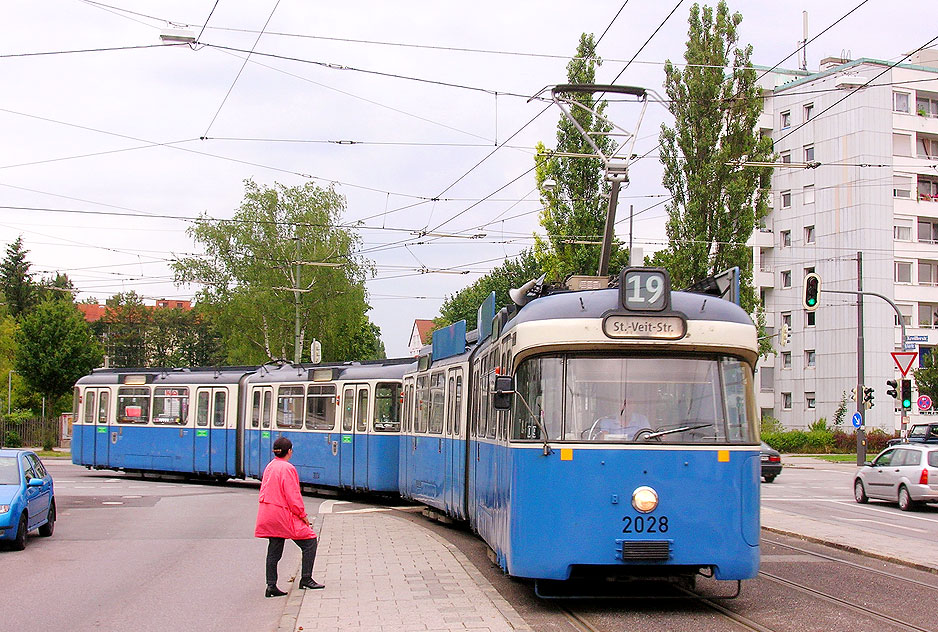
x=857 y=419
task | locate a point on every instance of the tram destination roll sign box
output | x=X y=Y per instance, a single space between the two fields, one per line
x=644 y=326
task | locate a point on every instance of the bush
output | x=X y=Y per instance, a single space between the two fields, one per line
x=771 y=425
x=822 y=441
x=12 y=439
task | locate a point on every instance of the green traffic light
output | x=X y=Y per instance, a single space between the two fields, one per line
x=906 y=403
x=812 y=301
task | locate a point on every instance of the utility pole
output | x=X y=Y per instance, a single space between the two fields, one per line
x=861 y=408
x=297 y=350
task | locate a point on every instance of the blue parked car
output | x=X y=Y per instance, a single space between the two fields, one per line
x=27 y=499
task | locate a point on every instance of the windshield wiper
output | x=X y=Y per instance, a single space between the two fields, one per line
x=655 y=435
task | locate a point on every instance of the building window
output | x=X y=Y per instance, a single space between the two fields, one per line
x=809 y=358
x=927 y=190
x=786 y=359
x=810 y=319
x=786 y=319
x=903 y=272
x=809 y=234
x=906 y=311
x=786 y=199
x=807 y=196
x=927 y=273
x=902 y=144
x=927 y=315
x=808 y=111
x=786 y=278
x=786 y=238
x=926 y=147
x=902 y=230
x=901 y=102
x=809 y=400
x=809 y=153
x=786 y=118
x=786 y=157
x=926 y=106
x=786 y=401
x=928 y=231
x=902 y=187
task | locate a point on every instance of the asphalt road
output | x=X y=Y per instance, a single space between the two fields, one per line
x=139 y=554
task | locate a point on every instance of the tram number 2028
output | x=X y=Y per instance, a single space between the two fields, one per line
x=645 y=524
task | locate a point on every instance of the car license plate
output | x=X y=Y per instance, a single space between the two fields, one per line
x=765 y=457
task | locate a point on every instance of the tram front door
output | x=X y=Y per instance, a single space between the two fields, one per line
x=353 y=450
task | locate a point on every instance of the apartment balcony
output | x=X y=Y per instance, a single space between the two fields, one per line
x=770 y=319
x=915 y=123
x=766 y=120
x=763 y=279
x=765 y=238
x=765 y=399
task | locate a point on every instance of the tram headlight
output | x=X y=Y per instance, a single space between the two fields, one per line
x=645 y=499
x=4 y=509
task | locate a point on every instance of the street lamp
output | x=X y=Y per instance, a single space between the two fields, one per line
x=9 y=389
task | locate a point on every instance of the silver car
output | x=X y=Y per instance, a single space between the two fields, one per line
x=906 y=473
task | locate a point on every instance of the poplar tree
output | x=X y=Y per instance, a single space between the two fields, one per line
x=19 y=291
x=716 y=202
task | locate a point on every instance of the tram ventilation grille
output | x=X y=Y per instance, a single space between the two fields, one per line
x=648 y=550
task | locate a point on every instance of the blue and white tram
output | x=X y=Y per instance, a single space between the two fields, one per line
x=556 y=482
x=344 y=422
x=162 y=420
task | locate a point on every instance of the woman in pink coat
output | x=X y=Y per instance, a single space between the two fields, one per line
x=282 y=515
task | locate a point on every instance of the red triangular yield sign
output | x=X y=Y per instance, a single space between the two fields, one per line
x=904 y=360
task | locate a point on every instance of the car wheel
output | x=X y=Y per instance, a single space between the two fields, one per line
x=769 y=479
x=905 y=500
x=49 y=527
x=859 y=493
x=19 y=543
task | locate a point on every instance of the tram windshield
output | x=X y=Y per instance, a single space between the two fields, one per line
x=635 y=400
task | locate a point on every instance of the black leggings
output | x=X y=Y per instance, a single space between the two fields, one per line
x=275 y=552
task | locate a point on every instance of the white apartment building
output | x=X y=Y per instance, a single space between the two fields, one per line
x=875 y=192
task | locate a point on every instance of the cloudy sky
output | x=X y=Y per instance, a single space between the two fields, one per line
x=109 y=141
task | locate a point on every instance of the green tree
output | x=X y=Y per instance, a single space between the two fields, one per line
x=19 y=291
x=575 y=208
x=926 y=377
x=715 y=205
x=56 y=288
x=280 y=272
x=55 y=347
x=126 y=330
x=512 y=273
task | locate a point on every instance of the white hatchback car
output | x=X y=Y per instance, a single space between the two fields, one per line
x=906 y=473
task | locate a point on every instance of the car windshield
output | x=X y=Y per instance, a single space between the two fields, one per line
x=9 y=471
x=700 y=399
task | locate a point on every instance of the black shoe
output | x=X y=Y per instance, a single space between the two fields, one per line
x=312 y=584
x=273 y=591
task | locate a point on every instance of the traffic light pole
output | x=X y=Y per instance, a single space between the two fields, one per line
x=861 y=431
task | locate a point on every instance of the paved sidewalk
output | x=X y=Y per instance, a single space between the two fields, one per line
x=383 y=573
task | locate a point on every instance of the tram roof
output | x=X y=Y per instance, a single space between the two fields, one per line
x=198 y=375
x=595 y=303
x=369 y=370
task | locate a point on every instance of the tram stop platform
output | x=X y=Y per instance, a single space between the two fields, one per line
x=384 y=573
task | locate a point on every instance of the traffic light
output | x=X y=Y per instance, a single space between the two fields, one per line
x=906 y=394
x=784 y=336
x=853 y=394
x=812 y=288
x=893 y=390
x=868 y=397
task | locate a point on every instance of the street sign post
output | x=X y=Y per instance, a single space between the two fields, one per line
x=857 y=420
x=924 y=402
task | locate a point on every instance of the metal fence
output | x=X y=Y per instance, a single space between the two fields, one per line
x=30 y=433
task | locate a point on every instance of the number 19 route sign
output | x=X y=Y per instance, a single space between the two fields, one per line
x=904 y=360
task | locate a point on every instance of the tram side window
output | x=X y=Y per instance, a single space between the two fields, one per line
x=133 y=405
x=320 y=407
x=539 y=382
x=220 y=412
x=423 y=404
x=348 y=409
x=268 y=400
x=201 y=408
x=362 y=421
x=491 y=419
x=89 y=407
x=171 y=406
x=436 y=403
x=76 y=400
x=740 y=425
x=388 y=407
x=474 y=399
x=256 y=410
x=102 y=407
x=290 y=407
x=450 y=404
x=458 y=405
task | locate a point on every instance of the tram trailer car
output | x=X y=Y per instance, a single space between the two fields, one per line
x=344 y=422
x=160 y=420
x=556 y=482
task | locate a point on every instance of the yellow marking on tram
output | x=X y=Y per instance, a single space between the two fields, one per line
x=723 y=456
x=566 y=454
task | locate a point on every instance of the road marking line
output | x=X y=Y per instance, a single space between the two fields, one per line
x=112 y=502
x=887 y=524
